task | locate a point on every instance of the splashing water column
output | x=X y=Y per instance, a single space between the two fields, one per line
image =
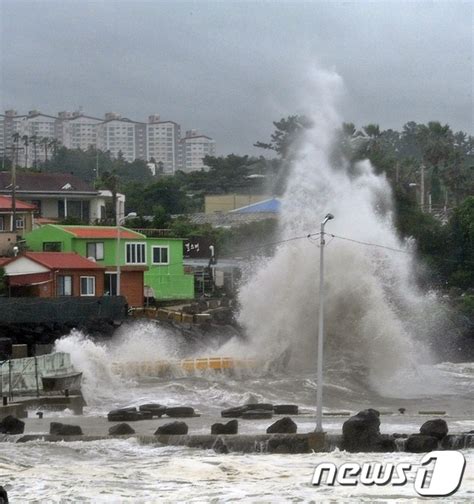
x=319 y=392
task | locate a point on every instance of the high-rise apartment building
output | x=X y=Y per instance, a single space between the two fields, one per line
x=77 y=131
x=122 y=136
x=163 y=143
x=194 y=148
x=34 y=130
x=38 y=135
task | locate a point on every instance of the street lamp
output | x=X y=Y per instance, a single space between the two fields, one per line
x=319 y=392
x=120 y=221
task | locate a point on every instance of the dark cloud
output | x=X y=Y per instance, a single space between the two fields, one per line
x=231 y=68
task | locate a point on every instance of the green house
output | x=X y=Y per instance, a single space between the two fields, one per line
x=161 y=259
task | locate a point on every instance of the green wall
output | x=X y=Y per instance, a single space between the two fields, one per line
x=168 y=281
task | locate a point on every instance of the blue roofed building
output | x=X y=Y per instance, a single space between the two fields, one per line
x=271 y=205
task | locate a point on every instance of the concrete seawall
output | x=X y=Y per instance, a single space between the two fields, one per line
x=248 y=443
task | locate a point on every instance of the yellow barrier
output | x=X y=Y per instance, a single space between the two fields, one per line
x=160 y=368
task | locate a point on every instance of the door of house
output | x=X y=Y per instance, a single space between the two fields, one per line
x=110 y=287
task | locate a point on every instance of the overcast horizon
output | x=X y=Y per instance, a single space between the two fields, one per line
x=228 y=69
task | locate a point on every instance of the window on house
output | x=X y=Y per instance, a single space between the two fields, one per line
x=2 y=223
x=95 y=250
x=20 y=223
x=135 y=253
x=87 y=286
x=64 y=285
x=160 y=255
x=51 y=246
x=110 y=284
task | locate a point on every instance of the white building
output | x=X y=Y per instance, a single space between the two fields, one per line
x=194 y=148
x=76 y=130
x=163 y=143
x=39 y=135
x=122 y=136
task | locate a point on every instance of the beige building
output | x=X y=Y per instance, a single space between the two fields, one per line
x=229 y=202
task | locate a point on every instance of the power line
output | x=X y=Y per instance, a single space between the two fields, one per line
x=392 y=249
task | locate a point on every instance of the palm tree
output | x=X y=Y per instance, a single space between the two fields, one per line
x=54 y=144
x=34 y=141
x=16 y=141
x=26 y=139
x=45 y=142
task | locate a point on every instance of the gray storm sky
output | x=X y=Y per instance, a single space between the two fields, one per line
x=230 y=68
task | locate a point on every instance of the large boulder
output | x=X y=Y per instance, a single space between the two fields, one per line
x=437 y=428
x=157 y=410
x=179 y=412
x=121 y=429
x=234 y=412
x=172 y=429
x=259 y=406
x=124 y=415
x=362 y=431
x=231 y=427
x=3 y=496
x=258 y=414
x=220 y=447
x=59 y=429
x=283 y=426
x=285 y=409
x=12 y=425
x=420 y=443
x=287 y=444
x=144 y=415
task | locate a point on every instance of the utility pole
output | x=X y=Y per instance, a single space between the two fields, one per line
x=422 y=188
x=13 y=180
x=319 y=393
x=97 y=164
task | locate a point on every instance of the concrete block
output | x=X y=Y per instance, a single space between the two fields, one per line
x=203 y=318
x=162 y=314
x=213 y=303
x=187 y=318
x=177 y=316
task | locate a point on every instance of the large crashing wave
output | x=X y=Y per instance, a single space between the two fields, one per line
x=377 y=320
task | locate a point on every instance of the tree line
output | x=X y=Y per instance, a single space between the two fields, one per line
x=447 y=157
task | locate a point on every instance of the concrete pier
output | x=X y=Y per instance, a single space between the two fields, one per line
x=20 y=406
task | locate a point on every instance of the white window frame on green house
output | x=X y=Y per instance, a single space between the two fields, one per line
x=135 y=245
x=98 y=249
x=160 y=262
x=87 y=278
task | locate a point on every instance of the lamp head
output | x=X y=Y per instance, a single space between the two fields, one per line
x=328 y=217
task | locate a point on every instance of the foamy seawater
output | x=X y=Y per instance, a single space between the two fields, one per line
x=124 y=471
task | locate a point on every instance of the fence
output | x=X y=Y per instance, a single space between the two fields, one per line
x=23 y=376
x=75 y=310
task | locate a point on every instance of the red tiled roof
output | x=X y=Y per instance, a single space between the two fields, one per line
x=6 y=204
x=62 y=260
x=98 y=232
x=4 y=260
